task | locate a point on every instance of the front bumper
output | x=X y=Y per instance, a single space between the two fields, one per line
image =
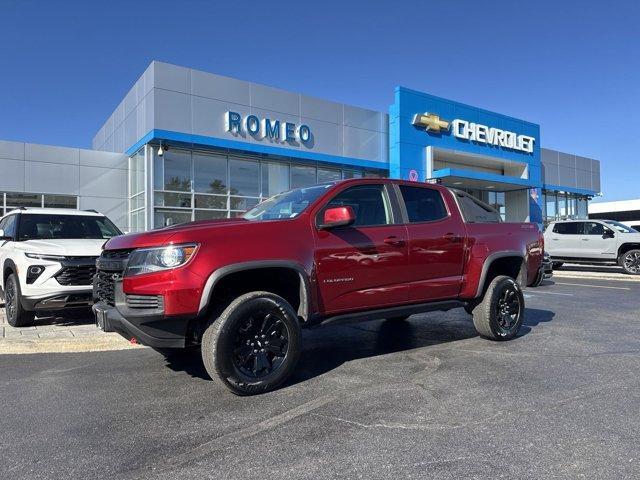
x=153 y=330
x=58 y=301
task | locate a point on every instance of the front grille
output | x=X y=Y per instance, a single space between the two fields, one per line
x=104 y=287
x=144 y=301
x=115 y=254
x=111 y=265
x=76 y=275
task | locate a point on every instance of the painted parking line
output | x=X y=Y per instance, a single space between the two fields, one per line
x=592 y=286
x=549 y=293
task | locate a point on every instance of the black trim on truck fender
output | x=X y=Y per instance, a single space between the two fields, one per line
x=487 y=263
x=216 y=276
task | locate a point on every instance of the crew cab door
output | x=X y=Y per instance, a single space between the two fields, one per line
x=362 y=265
x=436 y=243
x=564 y=240
x=598 y=241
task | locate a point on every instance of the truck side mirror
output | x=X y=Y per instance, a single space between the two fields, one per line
x=337 y=217
x=608 y=233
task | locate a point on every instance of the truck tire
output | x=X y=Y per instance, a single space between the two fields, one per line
x=470 y=306
x=630 y=262
x=16 y=315
x=254 y=345
x=500 y=314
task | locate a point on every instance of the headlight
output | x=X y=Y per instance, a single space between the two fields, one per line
x=39 y=256
x=148 y=260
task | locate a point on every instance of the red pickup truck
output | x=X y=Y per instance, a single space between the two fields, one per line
x=360 y=249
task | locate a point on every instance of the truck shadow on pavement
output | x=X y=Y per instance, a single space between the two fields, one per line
x=327 y=348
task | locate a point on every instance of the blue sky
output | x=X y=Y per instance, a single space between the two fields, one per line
x=572 y=66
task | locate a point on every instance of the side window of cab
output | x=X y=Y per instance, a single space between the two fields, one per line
x=569 y=228
x=370 y=205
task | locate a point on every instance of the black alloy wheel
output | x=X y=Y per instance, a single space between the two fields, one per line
x=261 y=343
x=501 y=312
x=253 y=346
x=508 y=307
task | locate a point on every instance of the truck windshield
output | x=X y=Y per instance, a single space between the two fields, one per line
x=47 y=227
x=286 y=205
x=621 y=227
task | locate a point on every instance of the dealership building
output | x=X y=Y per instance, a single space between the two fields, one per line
x=189 y=145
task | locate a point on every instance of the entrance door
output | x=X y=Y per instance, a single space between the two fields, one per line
x=362 y=265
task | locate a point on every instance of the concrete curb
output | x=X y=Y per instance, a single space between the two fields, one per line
x=620 y=277
x=92 y=343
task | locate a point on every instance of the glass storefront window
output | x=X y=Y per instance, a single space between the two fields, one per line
x=243 y=203
x=219 y=184
x=275 y=178
x=551 y=205
x=60 y=201
x=244 y=177
x=582 y=208
x=351 y=174
x=10 y=201
x=165 y=199
x=302 y=176
x=217 y=202
x=562 y=206
x=177 y=171
x=210 y=173
x=23 y=200
x=326 y=175
x=209 y=214
x=166 y=218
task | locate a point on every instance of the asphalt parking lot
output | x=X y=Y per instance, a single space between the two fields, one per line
x=426 y=398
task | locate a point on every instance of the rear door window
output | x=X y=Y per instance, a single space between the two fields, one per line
x=593 y=228
x=423 y=204
x=571 y=228
x=474 y=211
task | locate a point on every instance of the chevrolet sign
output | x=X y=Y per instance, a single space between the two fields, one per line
x=475 y=132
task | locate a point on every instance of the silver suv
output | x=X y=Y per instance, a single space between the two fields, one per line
x=593 y=241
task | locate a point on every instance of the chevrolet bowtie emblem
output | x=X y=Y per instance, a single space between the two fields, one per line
x=430 y=121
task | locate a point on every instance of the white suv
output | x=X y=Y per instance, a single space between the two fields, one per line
x=593 y=241
x=48 y=259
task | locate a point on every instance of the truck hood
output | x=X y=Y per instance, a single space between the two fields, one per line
x=68 y=247
x=163 y=236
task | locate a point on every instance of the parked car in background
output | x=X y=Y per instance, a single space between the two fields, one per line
x=48 y=259
x=360 y=249
x=593 y=242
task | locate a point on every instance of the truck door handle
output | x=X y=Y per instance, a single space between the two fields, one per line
x=585 y=239
x=394 y=241
x=452 y=237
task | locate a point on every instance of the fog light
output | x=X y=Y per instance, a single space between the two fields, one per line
x=33 y=272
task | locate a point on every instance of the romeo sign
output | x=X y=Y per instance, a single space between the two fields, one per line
x=260 y=128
